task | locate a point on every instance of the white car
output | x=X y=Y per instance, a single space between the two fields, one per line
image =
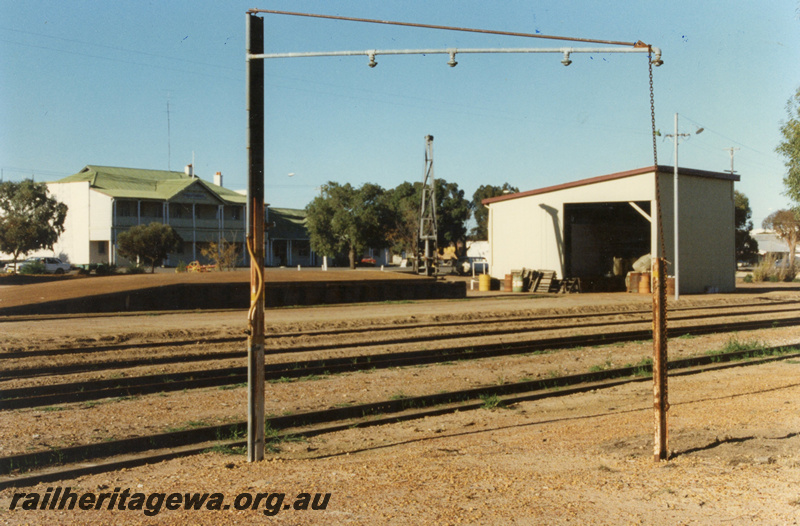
x=51 y=265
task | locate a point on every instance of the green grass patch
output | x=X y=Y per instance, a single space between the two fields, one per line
x=600 y=368
x=750 y=349
x=492 y=402
x=232 y=433
x=272 y=438
x=644 y=367
x=734 y=345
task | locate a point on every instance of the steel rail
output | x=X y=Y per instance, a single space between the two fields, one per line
x=39 y=396
x=343 y=417
x=114 y=363
x=203 y=340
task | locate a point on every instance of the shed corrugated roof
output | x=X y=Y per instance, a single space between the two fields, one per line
x=136 y=183
x=610 y=177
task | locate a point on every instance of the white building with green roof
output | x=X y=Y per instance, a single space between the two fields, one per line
x=104 y=201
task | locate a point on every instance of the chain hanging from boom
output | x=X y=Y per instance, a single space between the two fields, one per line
x=427 y=249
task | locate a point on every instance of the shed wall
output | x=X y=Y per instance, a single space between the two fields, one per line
x=529 y=231
x=707 y=257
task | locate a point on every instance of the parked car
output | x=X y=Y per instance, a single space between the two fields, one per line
x=467 y=265
x=51 y=265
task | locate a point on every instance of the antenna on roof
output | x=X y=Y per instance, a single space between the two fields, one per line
x=169 y=147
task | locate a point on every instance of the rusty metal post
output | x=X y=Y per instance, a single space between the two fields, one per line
x=255 y=239
x=660 y=398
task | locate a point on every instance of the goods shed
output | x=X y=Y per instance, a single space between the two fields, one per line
x=593 y=229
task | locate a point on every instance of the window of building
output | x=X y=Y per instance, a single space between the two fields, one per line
x=127 y=209
x=206 y=212
x=233 y=213
x=152 y=209
x=180 y=211
x=101 y=247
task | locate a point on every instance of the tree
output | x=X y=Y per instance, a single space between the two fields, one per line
x=347 y=219
x=150 y=243
x=29 y=218
x=224 y=254
x=405 y=201
x=746 y=246
x=789 y=148
x=402 y=232
x=480 y=213
x=786 y=224
x=452 y=212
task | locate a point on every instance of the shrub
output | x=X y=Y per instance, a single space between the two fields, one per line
x=136 y=269
x=748 y=278
x=769 y=270
x=36 y=267
x=764 y=269
x=105 y=269
x=787 y=274
x=181 y=267
x=224 y=254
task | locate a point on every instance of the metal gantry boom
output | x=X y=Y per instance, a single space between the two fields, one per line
x=255 y=57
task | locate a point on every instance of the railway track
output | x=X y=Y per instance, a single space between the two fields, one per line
x=675 y=314
x=328 y=351
x=57 y=393
x=14 y=470
x=683 y=322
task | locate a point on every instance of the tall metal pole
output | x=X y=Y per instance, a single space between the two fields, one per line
x=255 y=239
x=660 y=363
x=676 y=256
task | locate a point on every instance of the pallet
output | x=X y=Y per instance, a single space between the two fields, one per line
x=543 y=281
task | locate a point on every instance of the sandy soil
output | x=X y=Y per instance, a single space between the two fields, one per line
x=578 y=459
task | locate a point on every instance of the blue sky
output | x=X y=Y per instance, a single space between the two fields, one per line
x=89 y=83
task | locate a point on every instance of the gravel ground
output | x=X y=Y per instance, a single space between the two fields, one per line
x=578 y=459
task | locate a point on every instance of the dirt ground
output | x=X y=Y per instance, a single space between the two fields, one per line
x=577 y=459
